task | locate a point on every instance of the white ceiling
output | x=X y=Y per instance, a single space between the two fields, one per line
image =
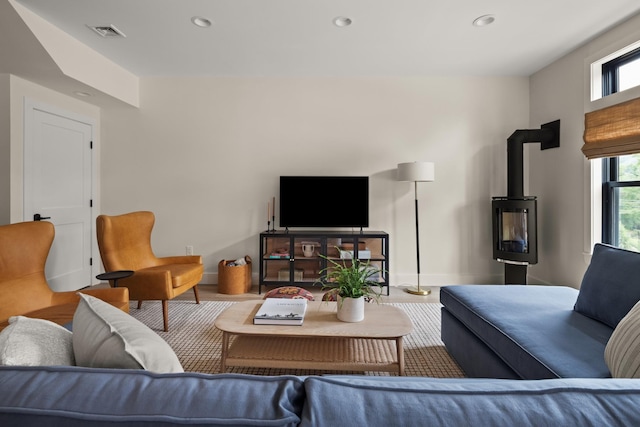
x=298 y=38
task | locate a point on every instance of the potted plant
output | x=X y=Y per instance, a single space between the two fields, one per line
x=353 y=281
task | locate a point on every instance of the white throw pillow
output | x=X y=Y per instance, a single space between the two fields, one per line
x=35 y=342
x=107 y=337
x=622 y=354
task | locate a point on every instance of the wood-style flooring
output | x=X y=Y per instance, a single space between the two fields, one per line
x=396 y=294
x=210 y=293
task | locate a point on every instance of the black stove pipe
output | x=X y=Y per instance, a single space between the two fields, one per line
x=548 y=136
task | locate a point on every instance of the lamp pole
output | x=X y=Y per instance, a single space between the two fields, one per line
x=417 y=291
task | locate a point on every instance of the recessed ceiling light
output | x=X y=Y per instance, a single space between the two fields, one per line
x=342 y=21
x=201 y=22
x=82 y=94
x=484 y=20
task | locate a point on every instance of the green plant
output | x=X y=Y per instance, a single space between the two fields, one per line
x=352 y=278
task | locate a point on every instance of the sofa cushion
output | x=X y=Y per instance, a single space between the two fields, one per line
x=611 y=285
x=106 y=337
x=622 y=353
x=533 y=329
x=79 y=397
x=35 y=342
x=408 y=401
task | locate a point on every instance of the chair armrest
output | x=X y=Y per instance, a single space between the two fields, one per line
x=180 y=259
x=68 y=297
x=118 y=297
x=149 y=283
x=109 y=294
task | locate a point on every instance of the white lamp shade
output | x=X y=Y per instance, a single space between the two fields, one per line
x=416 y=171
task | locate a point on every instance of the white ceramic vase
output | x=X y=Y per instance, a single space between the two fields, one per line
x=351 y=309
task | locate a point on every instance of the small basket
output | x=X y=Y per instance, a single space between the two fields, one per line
x=234 y=279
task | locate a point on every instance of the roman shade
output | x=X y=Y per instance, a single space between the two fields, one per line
x=612 y=131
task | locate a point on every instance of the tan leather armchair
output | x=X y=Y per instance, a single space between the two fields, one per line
x=24 y=290
x=125 y=244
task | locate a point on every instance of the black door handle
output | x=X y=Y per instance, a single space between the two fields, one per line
x=37 y=217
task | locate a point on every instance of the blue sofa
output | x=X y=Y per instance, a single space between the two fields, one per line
x=540 y=347
x=75 y=396
x=541 y=332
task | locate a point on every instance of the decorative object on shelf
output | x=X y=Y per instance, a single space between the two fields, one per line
x=280 y=253
x=271 y=215
x=417 y=172
x=353 y=280
x=362 y=254
x=347 y=250
x=308 y=248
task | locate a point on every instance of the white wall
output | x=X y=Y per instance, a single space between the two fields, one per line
x=205 y=155
x=561 y=177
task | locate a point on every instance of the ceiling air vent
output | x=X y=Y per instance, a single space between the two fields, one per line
x=107 y=31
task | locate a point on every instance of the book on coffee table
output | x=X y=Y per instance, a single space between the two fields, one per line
x=281 y=311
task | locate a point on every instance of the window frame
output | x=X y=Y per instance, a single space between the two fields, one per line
x=610 y=165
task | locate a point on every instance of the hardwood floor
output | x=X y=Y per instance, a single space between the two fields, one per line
x=396 y=294
x=210 y=293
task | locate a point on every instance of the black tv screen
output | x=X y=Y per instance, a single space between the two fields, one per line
x=324 y=201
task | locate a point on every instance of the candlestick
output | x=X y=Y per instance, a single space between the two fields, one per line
x=273 y=211
x=273 y=214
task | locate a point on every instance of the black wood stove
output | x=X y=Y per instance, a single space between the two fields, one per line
x=515 y=234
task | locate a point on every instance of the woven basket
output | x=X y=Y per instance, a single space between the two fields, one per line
x=234 y=279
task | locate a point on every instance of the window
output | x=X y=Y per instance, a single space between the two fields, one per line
x=621 y=175
x=621 y=73
x=621 y=202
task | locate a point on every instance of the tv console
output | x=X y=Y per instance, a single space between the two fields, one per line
x=292 y=258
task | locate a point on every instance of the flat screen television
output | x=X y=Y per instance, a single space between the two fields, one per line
x=324 y=201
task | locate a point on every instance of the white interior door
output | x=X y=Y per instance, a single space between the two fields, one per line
x=57 y=186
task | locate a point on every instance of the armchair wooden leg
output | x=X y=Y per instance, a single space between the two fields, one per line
x=165 y=314
x=195 y=292
x=139 y=304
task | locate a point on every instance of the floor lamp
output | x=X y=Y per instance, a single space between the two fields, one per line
x=417 y=172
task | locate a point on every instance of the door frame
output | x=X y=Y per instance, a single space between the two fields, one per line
x=30 y=105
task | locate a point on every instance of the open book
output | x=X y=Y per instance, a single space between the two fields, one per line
x=281 y=311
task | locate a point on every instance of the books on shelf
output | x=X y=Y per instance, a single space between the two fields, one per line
x=279 y=255
x=281 y=311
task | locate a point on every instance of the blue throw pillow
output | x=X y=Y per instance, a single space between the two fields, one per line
x=610 y=286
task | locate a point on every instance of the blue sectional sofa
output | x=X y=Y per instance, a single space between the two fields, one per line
x=81 y=397
x=540 y=348
x=538 y=332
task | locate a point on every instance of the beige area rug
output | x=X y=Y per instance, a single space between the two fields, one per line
x=197 y=342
